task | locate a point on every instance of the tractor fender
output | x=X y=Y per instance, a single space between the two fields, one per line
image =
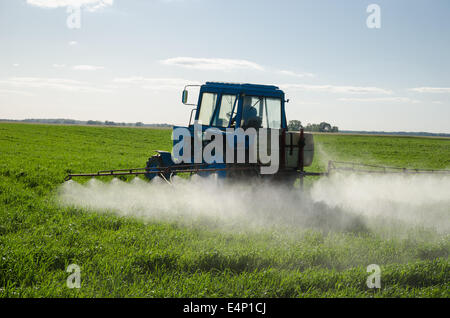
x=166 y=158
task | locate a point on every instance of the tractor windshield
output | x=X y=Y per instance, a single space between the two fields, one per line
x=257 y=111
x=219 y=117
x=223 y=114
x=261 y=112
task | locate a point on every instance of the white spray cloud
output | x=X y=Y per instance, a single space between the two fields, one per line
x=411 y=199
x=338 y=203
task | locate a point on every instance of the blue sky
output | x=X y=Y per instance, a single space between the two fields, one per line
x=130 y=59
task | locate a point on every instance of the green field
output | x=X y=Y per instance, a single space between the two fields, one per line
x=133 y=257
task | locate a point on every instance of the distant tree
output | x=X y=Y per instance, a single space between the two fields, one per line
x=324 y=127
x=94 y=122
x=139 y=124
x=294 y=125
x=110 y=123
x=312 y=127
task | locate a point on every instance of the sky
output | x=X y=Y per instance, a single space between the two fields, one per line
x=382 y=69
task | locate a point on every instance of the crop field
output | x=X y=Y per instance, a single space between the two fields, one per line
x=136 y=251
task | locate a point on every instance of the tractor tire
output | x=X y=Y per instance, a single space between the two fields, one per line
x=155 y=162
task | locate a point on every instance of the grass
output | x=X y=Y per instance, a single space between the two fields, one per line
x=127 y=257
x=410 y=152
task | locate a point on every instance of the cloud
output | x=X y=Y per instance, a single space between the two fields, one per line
x=72 y=43
x=5 y=92
x=212 y=64
x=16 y=64
x=430 y=89
x=381 y=100
x=90 y=5
x=155 y=83
x=59 y=65
x=337 y=89
x=87 y=67
x=52 y=83
x=290 y=73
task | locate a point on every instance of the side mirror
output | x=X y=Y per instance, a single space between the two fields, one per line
x=184 y=97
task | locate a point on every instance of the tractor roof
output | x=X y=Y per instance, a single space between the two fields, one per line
x=242 y=86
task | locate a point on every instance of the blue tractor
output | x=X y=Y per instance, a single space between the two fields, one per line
x=230 y=109
x=237 y=114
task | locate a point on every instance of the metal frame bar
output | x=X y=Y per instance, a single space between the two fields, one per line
x=196 y=168
x=155 y=170
x=355 y=167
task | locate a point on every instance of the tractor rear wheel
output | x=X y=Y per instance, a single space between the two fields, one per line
x=153 y=164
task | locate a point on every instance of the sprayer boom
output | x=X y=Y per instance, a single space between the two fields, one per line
x=166 y=172
x=368 y=168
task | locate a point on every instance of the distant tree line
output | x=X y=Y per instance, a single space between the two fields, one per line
x=90 y=122
x=52 y=121
x=112 y=123
x=292 y=125
x=322 y=127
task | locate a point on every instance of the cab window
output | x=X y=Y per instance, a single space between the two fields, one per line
x=208 y=103
x=223 y=114
x=261 y=112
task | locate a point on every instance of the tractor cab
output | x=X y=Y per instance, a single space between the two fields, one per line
x=230 y=105
x=234 y=109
